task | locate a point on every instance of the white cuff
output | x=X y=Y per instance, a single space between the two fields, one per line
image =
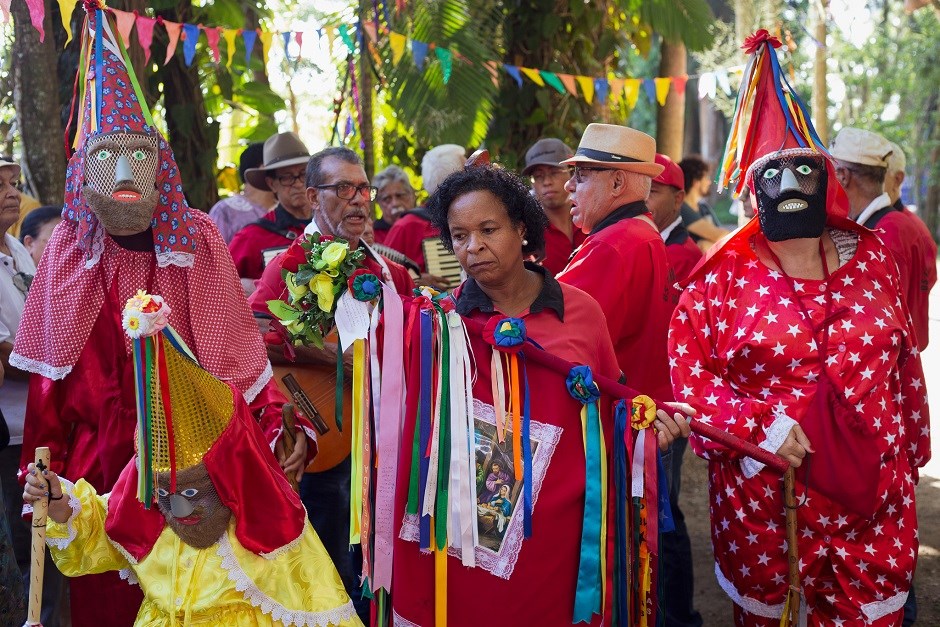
x=774 y=436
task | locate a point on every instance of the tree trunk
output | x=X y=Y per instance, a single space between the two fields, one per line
x=36 y=98
x=670 y=119
x=820 y=88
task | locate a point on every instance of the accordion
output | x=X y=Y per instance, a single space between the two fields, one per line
x=441 y=262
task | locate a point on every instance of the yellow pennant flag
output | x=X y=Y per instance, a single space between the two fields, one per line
x=266 y=37
x=397 y=41
x=568 y=81
x=330 y=36
x=662 y=89
x=229 y=34
x=587 y=87
x=631 y=91
x=533 y=75
x=65 y=8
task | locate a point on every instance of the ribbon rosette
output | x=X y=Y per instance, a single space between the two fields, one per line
x=364 y=285
x=592 y=564
x=752 y=43
x=506 y=334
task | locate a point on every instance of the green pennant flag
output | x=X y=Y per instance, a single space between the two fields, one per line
x=445 y=56
x=344 y=35
x=552 y=79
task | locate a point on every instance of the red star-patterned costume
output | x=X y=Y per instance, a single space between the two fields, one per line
x=751 y=349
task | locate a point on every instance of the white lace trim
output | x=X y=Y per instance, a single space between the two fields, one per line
x=748 y=604
x=37 y=367
x=128 y=575
x=400 y=621
x=76 y=505
x=878 y=609
x=259 y=384
x=97 y=247
x=774 y=435
x=270 y=607
x=175 y=258
x=284 y=549
x=120 y=549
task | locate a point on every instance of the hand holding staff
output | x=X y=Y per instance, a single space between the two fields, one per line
x=286 y=445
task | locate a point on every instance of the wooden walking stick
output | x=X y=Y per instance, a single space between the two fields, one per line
x=38 y=558
x=285 y=445
x=791 y=610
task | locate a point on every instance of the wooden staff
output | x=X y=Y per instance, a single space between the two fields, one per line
x=285 y=445
x=40 y=509
x=793 y=553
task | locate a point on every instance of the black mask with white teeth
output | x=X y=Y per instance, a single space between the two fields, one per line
x=791 y=195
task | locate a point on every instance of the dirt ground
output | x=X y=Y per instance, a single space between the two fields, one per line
x=712 y=602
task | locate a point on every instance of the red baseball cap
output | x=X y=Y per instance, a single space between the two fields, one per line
x=671 y=174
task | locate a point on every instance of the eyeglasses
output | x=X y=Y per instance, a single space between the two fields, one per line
x=579 y=169
x=348 y=191
x=288 y=180
x=384 y=198
x=552 y=174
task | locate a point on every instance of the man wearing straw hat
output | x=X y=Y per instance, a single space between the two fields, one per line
x=623 y=262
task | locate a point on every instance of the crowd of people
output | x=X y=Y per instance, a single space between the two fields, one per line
x=799 y=332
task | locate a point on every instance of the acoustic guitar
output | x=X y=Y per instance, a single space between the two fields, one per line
x=312 y=389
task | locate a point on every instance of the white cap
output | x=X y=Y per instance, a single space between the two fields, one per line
x=896 y=160
x=863 y=147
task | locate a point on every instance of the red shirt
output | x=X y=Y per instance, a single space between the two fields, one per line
x=535 y=577
x=623 y=265
x=558 y=247
x=381 y=229
x=407 y=234
x=249 y=244
x=915 y=252
x=682 y=252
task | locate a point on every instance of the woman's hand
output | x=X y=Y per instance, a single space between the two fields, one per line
x=40 y=485
x=795 y=447
x=295 y=465
x=672 y=428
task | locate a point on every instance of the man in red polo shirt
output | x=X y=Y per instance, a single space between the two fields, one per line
x=623 y=262
x=665 y=203
x=543 y=166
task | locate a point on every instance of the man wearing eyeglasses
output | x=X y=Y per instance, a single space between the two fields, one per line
x=283 y=172
x=623 y=262
x=543 y=166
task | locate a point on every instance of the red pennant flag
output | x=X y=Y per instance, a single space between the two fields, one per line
x=145 y=34
x=678 y=83
x=299 y=38
x=173 y=29
x=212 y=36
x=5 y=8
x=125 y=22
x=37 y=13
x=370 y=30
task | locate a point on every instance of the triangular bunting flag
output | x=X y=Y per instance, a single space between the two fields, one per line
x=286 y=38
x=568 y=81
x=533 y=76
x=419 y=50
x=266 y=38
x=190 y=37
x=212 y=38
x=514 y=72
x=446 y=58
x=229 y=35
x=707 y=85
x=678 y=83
x=125 y=23
x=250 y=37
x=397 y=42
x=616 y=88
x=722 y=77
x=493 y=68
x=173 y=30
x=37 y=13
x=662 y=89
x=330 y=37
x=299 y=38
x=587 y=87
x=601 y=88
x=145 y=34
x=552 y=79
x=66 y=7
x=5 y=8
x=344 y=35
x=650 y=88
x=631 y=91
x=370 y=31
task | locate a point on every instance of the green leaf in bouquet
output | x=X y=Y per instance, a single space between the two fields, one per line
x=282 y=311
x=303 y=276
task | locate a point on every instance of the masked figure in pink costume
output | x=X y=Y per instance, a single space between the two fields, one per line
x=126 y=225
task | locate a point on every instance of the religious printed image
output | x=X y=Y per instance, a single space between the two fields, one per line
x=497 y=489
x=499 y=520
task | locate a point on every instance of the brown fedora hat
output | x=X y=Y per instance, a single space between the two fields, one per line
x=617 y=147
x=280 y=151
